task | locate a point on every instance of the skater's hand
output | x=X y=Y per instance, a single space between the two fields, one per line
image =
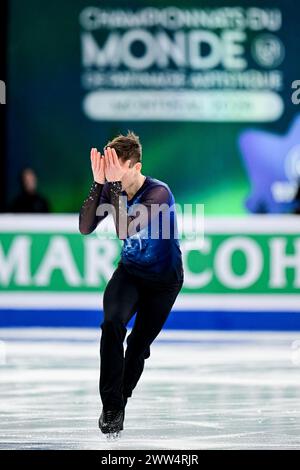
x=114 y=171
x=98 y=166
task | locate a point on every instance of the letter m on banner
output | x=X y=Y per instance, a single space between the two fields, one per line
x=2 y=92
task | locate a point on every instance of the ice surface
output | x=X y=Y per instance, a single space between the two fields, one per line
x=199 y=390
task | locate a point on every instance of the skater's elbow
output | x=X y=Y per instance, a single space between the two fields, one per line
x=85 y=230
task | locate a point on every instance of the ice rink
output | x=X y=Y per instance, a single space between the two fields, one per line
x=199 y=390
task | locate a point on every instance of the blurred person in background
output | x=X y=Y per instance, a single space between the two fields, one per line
x=29 y=200
x=296 y=200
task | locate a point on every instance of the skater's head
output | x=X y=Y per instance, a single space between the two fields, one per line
x=128 y=147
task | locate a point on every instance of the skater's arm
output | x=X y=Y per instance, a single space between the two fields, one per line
x=90 y=214
x=129 y=224
x=88 y=218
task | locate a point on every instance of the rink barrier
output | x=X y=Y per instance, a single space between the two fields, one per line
x=177 y=320
x=244 y=274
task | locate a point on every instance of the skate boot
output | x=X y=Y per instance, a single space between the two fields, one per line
x=111 y=422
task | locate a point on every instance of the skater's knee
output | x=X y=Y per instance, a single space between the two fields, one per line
x=113 y=322
x=147 y=352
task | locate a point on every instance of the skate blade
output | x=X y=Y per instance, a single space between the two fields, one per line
x=113 y=436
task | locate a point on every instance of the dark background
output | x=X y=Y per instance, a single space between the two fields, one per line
x=47 y=129
x=3 y=33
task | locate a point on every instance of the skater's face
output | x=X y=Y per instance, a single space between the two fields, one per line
x=133 y=171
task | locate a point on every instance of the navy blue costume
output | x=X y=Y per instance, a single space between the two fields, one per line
x=150 y=249
x=147 y=280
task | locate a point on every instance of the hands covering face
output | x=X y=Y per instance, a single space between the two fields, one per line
x=113 y=170
x=107 y=167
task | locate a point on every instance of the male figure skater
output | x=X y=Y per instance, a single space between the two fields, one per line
x=149 y=274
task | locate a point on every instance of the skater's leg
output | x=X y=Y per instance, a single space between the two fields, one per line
x=119 y=304
x=154 y=307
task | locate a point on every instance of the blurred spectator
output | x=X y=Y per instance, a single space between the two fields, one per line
x=29 y=200
x=297 y=200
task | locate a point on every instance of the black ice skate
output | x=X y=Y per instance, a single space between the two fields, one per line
x=111 y=422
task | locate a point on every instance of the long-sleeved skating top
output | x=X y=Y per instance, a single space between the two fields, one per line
x=146 y=223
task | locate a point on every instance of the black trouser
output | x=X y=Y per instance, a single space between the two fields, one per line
x=124 y=296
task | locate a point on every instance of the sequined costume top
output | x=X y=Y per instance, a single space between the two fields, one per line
x=146 y=223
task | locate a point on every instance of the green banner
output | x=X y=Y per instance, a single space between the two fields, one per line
x=238 y=260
